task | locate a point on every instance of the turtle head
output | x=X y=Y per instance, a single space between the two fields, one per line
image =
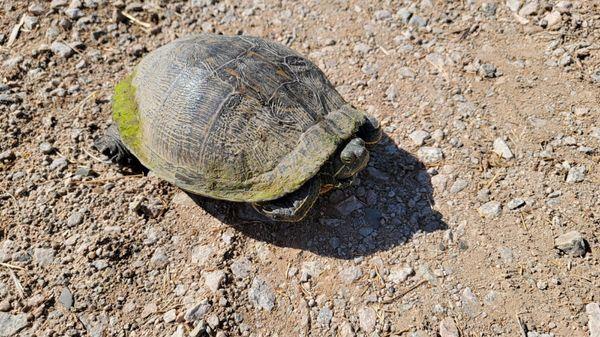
x=352 y=158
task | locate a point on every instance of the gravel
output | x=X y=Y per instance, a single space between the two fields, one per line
x=448 y=328
x=213 y=279
x=400 y=274
x=10 y=324
x=61 y=49
x=576 y=174
x=350 y=274
x=324 y=317
x=490 y=210
x=571 y=243
x=593 y=313
x=502 y=149
x=261 y=294
x=66 y=298
x=43 y=256
x=430 y=155
x=367 y=319
x=419 y=137
x=515 y=203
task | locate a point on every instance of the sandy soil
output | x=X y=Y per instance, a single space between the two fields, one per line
x=490 y=154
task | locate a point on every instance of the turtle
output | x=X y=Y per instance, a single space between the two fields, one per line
x=242 y=119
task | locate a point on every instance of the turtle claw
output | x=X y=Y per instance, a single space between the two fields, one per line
x=292 y=207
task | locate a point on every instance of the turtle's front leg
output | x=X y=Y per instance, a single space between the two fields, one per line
x=110 y=145
x=294 y=206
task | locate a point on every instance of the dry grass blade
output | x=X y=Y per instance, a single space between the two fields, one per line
x=11 y=266
x=521 y=326
x=391 y=300
x=17 y=283
x=104 y=180
x=14 y=33
x=136 y=21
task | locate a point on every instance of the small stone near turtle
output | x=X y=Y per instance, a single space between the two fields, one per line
x=513 y=5
x=261 y=294
x=170 y=316
x=36 y=9
x=515 y=203
x=197 y=311
x=75 y=219
x=367 y=319
x=576 y=174
x=502 y=149
x=530 y=8
x=61 y=49
x=46 y=148
x=350 y=274
x=564 y=7
x=419 y=137
x=417 y=21
x=430 y=155
x=459 y=185
x=324 y=317
x=571 y=243
x=490 y=210
x=487 y=70
x=400 y=274
x=404 y=15
x=66 y=298
x=448 y=328
x=593 y=313
x=213 y=279
x=11 y=324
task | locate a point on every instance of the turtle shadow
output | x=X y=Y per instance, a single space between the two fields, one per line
x=389 y=202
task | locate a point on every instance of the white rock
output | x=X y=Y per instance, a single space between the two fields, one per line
x=593 y=312
x=367 y=319
x=459 y=185
x=350 y=274
x=576 y=174
x=513 y=5
x=170 y=316
x=241 y=267
x=564 y=6
x=530 y=7
x=10 y=325
x=448 y=328
x=430 y=155
x=419 y=137
x=400 y=274
x=490 y=209
x=346 y=330
x=213 y=280
x=502 y=149
x=261 y=294
x=201 y=254
x=553 y=19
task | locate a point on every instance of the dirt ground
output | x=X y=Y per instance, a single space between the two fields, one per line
x=491 y=149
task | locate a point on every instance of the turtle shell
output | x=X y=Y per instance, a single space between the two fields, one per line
x=231 y=117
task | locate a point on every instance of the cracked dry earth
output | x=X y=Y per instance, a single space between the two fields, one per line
x=478 y=215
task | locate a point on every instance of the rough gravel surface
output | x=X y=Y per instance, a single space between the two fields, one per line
x=478 y=215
